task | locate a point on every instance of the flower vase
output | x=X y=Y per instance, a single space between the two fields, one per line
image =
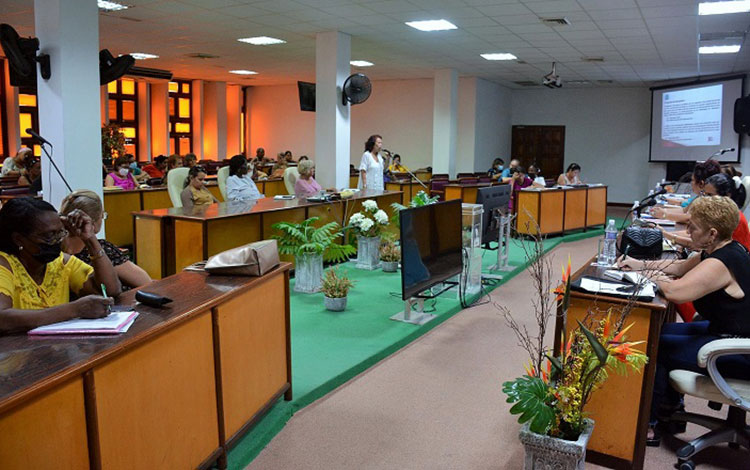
x=308 y=273
x=335 y=304
x=368 y=252
x=389 y=266
x=550 y=452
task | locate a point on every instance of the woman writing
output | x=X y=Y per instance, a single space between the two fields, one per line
x=121 y=177
x=371 y=167
x=306 y=186
x=130 y=274
x=717 y=281
x=240 y=186
x=36 y=277
x=571 y=176
x=195 y=192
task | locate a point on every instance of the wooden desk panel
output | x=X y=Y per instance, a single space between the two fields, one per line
x=156 y=199
x=119 y=225
x=333 y=212
x=224 y=234
x=596 y=206
x=47 y=433
x=575 y=209
x=353 y=181
x=214 y=189
x=528 y=211
x=551 y=211
x=157 y=403
x=273 y=188
x=148 y=246
x=189 y=243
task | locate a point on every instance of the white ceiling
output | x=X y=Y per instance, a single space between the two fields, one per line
x=642 y=41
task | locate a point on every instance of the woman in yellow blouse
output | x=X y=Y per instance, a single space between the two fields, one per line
x=36 y=277
x=396 y=166
x=195 y=192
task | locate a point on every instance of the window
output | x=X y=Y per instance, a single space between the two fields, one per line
x=180 y=116
x=123 y=110
x=28 y=117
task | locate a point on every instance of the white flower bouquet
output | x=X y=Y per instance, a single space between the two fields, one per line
x=370 y=221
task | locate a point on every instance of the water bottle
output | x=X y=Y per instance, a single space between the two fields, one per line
x=633 y=214
x=609 y=249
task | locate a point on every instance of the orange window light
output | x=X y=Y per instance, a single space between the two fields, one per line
x=184 y=145
x=112 y=110
x=112 y=86
x=182 y=127
x=26 y=100
x=24 y=119
x=128 y=110
x=171 y=106
x=128 y=132
x=184 y=107
x=186 y=88
x=174 y=87
x=128 y=86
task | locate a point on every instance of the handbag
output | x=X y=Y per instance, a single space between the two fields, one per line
x=253 y=259
x=641 y=242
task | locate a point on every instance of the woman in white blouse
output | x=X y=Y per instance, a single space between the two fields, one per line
x=371 y=168
x=240 y=186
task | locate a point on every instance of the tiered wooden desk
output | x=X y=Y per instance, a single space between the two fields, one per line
x=621 y=407
x=176 y=391
x=466 y=192
x=167 y=240
x=559 y=210
x=409 y=189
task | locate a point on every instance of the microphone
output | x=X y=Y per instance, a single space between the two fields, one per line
x=723 y=151
x=38 y=137
x=667 y=183
x=663 y=190
x=651 y=201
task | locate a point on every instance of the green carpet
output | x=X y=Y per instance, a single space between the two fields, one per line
x=329 y=348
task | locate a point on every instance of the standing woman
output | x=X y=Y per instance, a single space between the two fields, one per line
x=195 y=192
x=371 y=167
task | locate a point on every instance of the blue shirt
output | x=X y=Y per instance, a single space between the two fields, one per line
x=689 y=201
x=506 y=173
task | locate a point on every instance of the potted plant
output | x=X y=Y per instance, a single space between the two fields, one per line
x=336 y=288
x=310 y=246
x=368 y=224
x=390 y=255
x=113 y=143
x=550 y=398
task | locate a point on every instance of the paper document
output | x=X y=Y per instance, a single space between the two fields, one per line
x=665 y=222
x=115 y=322
x=597 y=286
x=627 y=276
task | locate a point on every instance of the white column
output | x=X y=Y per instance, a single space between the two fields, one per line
x=332 y=118
x=444 y=122
x=215 y=120
x=69 y=112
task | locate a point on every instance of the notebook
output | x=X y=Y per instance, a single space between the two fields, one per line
x=114 y=323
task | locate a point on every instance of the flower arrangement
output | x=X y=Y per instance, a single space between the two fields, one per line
x=553 y=393
x=389 y=252
x=336 y=286
x=370 y=221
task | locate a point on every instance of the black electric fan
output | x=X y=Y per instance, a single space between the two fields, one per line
x=22 y=57
x=356 y=89
x=111 y=68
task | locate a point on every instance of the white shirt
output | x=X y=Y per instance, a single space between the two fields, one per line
x=374 y=171
x=242 y=189
x=10 y=165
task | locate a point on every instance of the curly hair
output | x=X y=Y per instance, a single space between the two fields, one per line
x=370 y=144
x=717 y=212
x=704 y=170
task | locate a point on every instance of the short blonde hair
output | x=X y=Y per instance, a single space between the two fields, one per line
x=305 y=167
x=717 y=212
x=84 y=200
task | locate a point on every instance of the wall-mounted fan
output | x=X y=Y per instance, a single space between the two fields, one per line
x=22 y=58
x=356 y=89
x=111 y=68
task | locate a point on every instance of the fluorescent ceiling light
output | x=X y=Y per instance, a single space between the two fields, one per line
x=262 y=41
x=110 y=6
x=734 y=48
x=361 y=63
x=499 y=56
x=720 y=8
x=143 y=56
x=432 y=25
x=243 y=72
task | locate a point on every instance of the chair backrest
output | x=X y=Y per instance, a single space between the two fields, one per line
x=175 y=184
x=15 y=191
x=745 y=182
x=465 y=175
x=485 y=179
x=468 y=181
x=221 y=178
x=291 y=174
x=440 y=176
x=438 y=185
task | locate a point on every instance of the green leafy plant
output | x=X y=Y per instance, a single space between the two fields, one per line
x=336 y=285
x=420 y=199
x=113 y=142
x=389 y=252
x=302 y=238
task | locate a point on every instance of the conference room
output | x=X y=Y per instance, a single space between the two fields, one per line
x=329 y=234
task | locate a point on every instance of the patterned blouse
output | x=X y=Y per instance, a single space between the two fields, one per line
x=114 y=254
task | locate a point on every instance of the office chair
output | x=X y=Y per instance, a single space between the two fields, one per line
x=715 y=388
x=221 y=178
x=291 y=174
x=175 y=184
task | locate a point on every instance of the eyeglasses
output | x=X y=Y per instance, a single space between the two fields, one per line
x=55 y=238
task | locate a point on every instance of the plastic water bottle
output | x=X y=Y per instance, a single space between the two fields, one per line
x=633 y=214
x=609 y=249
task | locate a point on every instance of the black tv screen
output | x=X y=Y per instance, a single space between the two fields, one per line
x=306 y=96
x=492 y=199
x=431 y=247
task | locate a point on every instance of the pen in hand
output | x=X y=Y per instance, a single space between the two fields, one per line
x=104 y=293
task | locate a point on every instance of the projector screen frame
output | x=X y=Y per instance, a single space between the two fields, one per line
x=697 y=81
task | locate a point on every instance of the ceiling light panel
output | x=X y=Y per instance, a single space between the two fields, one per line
x=110 y=6
x=262 y=41
x=432 y=25
x=729 y=49
x=499 y=56
x=243 y=72
x=143 y=56
x=721 y=8
x=361 y=63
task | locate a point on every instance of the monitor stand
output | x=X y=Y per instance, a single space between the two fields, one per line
x=503 y=244
x=418 y=316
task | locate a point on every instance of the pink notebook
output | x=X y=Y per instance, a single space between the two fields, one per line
x=114 y=323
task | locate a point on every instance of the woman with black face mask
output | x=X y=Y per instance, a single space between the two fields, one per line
x=36 y=278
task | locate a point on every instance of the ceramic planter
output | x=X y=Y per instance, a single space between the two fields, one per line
x=335 y=304
x=546 y=452
x=389 y=266
x=368 y=252
x=308 y=273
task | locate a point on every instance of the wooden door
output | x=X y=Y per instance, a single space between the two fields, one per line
x=543 y=146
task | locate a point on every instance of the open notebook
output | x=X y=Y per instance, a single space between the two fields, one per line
x=114 y=323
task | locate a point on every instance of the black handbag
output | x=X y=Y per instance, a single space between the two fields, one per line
x=641 y=242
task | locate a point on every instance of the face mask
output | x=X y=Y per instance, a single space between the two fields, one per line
x=499 y=167
x=123 y=172
x=47 y=253
x=134 y=166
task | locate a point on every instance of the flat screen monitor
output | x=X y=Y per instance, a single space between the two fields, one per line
x=492 y=199
x=431 y=248
x=306 y=96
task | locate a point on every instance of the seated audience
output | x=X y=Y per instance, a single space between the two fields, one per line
x=278 y=170
x=33 y=177
x=157 y=169
x=195 y=192
x=306 y=186
x=288 y=158
x=139 y=175
x=571 y=176
x=496 y=171
x=506 y=175
x=240 y=186
x=260 y=157
x=518 y=181
x=174 y=161
x=130 y=274
x=302 y=158
x=536 y=175
x=396 y=166
x=701 y=172
x=717 y=281
x=121 y=177
x=36 y=277
x=15 y=166
x=191 y=160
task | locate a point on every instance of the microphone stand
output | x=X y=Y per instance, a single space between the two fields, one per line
x=651 y=202
x=49 y=157
x=416 y=179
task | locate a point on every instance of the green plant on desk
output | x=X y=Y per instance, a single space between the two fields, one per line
x=305 y=238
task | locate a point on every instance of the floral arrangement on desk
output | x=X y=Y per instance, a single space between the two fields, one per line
x=553 y=393
x=370 y=221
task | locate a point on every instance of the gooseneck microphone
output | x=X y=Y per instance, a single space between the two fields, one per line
x=723 y=151
x=49 y=157
x=38 y=137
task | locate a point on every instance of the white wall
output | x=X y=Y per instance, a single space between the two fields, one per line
x=493 y=124
x=467 y=121
x=606 y=132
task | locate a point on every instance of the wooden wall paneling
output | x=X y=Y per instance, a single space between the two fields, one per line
x=119 y=224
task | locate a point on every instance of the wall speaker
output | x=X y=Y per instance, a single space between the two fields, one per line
x=742 y=115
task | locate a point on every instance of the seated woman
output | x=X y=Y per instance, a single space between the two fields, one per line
x=240 y=186
x=518 y=181
x=571 y=176
x=396 y=166
x=717 y=281
x=701 y=172
x=536 y=175
x=36 y=277
x=121 y=177
x=174 y=161
x=195 y=192
x=130 y=274
x=278 y=170
x=191 y=160
x=306 y=186
x=15 y=166
x=157 y=169
x=33 y=177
